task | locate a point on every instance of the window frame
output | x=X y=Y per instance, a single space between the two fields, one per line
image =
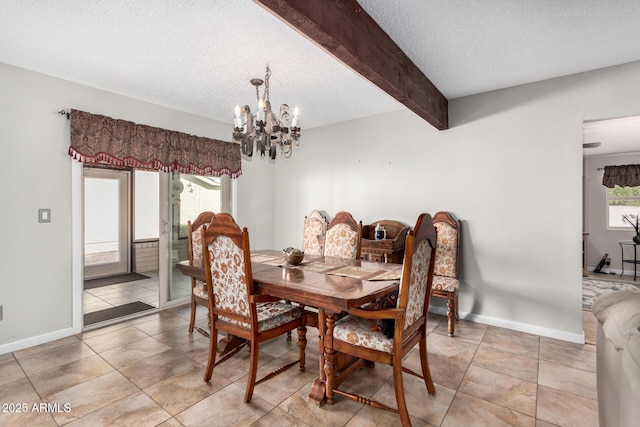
x=626 y=226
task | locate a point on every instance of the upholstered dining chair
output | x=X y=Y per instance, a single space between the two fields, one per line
x=234 y=305
x=356 y=334
x=199 y=294
x=315 y=228
x=343 y=237
x=445 y=273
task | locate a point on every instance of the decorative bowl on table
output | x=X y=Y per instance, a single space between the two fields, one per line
x=293 y=256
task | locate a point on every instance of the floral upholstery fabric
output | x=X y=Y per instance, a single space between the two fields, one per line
x=418 y=283
x=357 y=331
x=445 y=284
x=446 y=250
x=228 y=276
x=230 y=290
x=270 y=315
x=196 y=244
x=200 y=290
x=314 y=229
x=341 y=242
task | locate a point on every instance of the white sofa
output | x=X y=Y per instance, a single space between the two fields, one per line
x=618 y=358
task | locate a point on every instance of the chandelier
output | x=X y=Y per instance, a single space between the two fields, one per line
x=265 y=129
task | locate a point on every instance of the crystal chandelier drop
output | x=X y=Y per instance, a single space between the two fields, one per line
x=267 y=130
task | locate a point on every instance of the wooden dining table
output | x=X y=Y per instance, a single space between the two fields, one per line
x=330 y=285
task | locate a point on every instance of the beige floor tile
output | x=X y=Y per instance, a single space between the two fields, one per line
x=278 y=417
x=453 y=347
x=20 y=354
x=372 y=417
x=512 y=341
x=465 y=330
x=468 y=411
x=116 y=338
x=19 y=399
x=572 y=380
x=566 y=409
x=68 y=375
x=10 y=370
x=301 y=407
x=162 y=324
x=500 y=389
x=575 y=356
x=179 y=392
x=515 y=365
x=225 y=408
x=153 y=369
x=135 y=410
x=133 y=352
x=420 y=404
x=54 y=357
x=280 y=387
x=92 y=395
x=445 y=370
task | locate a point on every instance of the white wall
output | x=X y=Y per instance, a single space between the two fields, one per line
x=36 y=289
x=602 y=241
x=510 y=167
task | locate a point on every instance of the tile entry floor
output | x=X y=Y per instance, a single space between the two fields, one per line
x=148 y=372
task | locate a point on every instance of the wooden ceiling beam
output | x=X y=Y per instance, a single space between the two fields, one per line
x=346 y=31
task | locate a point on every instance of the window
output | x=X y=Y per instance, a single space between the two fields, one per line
x=197 y=194
x=146 y=223
x=622 y=201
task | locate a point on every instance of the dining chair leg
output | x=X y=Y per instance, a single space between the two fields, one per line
x=213 y=351
x=424 y=363
x=253 y=371
x=398 y=386
x=455 y=297
x=450 y=313
x=192 y=322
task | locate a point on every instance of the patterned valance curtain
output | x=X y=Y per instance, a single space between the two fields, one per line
x=99 y=139
x=624 y=176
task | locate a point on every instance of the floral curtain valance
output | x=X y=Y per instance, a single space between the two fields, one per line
x=99 y=139
x=624 y=176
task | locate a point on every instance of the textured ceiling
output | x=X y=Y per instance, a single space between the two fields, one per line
x=198 y=56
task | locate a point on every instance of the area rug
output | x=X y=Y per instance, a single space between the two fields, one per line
x=114 y=312
x=593 y=288
x=113 y=280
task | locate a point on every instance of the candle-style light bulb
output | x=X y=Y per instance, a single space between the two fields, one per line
x=294 y=122
x=260 y=113
x=236 y=121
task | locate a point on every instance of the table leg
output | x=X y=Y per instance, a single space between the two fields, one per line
x=318 y=388
x=330 y=362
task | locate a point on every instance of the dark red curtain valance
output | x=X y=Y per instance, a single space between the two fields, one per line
x=624 y=176
x=99 y=139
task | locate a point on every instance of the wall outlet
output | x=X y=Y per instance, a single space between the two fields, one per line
x=607 y=261
x=0 y=312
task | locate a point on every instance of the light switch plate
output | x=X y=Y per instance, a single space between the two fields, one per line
x=44 y=215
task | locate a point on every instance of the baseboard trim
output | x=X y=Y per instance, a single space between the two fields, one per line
x=37 y=340
x=516 y=326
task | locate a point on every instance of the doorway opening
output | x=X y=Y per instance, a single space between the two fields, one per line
x=120 y=218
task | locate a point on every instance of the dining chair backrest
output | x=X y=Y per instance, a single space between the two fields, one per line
x=199 y=294
x=417 y=275
x=228 y=258
x=448 y=247
x=194 y=236
x=315 y=228
x=343 y=237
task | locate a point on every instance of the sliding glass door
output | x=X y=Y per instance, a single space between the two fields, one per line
x=189 y=195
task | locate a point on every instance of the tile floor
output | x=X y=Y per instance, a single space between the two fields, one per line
x=148 y=371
